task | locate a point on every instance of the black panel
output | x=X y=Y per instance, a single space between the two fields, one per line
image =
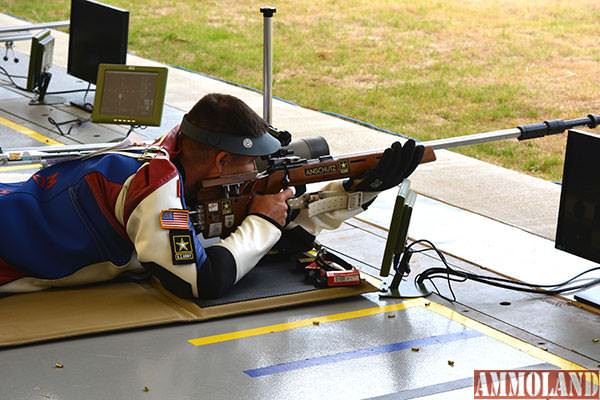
x=578 y=230
x=98 y=34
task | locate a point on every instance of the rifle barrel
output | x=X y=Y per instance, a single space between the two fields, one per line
x=475 y=138
x=522 y=132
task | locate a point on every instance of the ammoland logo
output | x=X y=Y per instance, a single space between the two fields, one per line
x=536 y=384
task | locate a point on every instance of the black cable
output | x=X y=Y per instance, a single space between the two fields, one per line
x=71 y=123
x=510 y=281
x=5 y=72
x=492 y=278
x=87 y=90
x=73 y=91
x=10 y=77
x=453 y=275
x=443 y=259
x=437 y=273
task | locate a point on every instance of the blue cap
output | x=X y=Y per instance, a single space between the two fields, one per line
x=233 y=143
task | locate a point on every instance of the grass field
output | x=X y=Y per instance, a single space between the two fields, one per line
x=424 y=68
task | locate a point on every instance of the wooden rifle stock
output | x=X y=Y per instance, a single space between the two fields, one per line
x=328 y=169
x=223 y=202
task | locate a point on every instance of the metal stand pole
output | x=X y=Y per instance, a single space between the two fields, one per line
x=267 y=63
x=395 y=250
x=35 y=27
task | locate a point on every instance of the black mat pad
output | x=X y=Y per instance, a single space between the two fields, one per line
x=271 y=277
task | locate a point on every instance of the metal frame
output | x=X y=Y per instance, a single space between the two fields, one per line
x=397 y=287
x=35 y=27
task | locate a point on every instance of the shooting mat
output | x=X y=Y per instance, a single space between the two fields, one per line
x=62 y=313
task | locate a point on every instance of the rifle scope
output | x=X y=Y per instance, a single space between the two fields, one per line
x=307 y=148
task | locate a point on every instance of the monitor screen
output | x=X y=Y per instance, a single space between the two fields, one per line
x=40 y=57
x=578 y=230
x=130 y=95
x=98 y=34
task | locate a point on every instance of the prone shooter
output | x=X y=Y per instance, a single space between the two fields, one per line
x=92 y=218
x=96 y=216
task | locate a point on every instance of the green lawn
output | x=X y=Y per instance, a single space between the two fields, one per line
x=424 y=68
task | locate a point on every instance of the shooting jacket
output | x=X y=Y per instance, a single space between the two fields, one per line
x=91 y=220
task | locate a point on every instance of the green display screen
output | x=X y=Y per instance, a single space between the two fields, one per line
x=129 y=95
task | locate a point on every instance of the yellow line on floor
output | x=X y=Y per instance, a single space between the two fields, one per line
x=21 y=167
x=28 y=132
x=525 y=347
x=444 y=311
x=304 y=323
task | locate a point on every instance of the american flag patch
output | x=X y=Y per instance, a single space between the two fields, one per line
x=175 y=219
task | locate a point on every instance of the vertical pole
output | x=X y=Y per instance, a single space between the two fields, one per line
x=267 y=63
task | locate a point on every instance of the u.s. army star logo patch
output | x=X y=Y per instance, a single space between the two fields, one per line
x=182 y=247
x=344 y=166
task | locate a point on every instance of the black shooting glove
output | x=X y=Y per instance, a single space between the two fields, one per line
x=396 y=164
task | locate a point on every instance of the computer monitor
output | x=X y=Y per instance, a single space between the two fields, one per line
x=40 y=61
x=130 y=95
x=40 y=57
x=98 y=34
x=578 y=229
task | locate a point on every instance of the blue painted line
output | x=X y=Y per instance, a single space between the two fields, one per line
x=445 y=387
x=362 y=353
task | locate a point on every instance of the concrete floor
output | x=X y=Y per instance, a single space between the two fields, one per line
x=371 y=356
x=350 y=359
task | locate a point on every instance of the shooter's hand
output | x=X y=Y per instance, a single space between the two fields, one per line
x=272 y=206
x=396 y=164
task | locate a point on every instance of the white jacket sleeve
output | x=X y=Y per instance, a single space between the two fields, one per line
x=156 y=187
x=332 y=219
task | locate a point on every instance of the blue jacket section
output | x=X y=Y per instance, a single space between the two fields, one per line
x=52 y=225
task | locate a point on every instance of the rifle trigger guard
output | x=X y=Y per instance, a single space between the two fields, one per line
x=285 y=181
x=296 y=203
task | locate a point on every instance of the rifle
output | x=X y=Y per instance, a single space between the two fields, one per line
x=222 y=203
